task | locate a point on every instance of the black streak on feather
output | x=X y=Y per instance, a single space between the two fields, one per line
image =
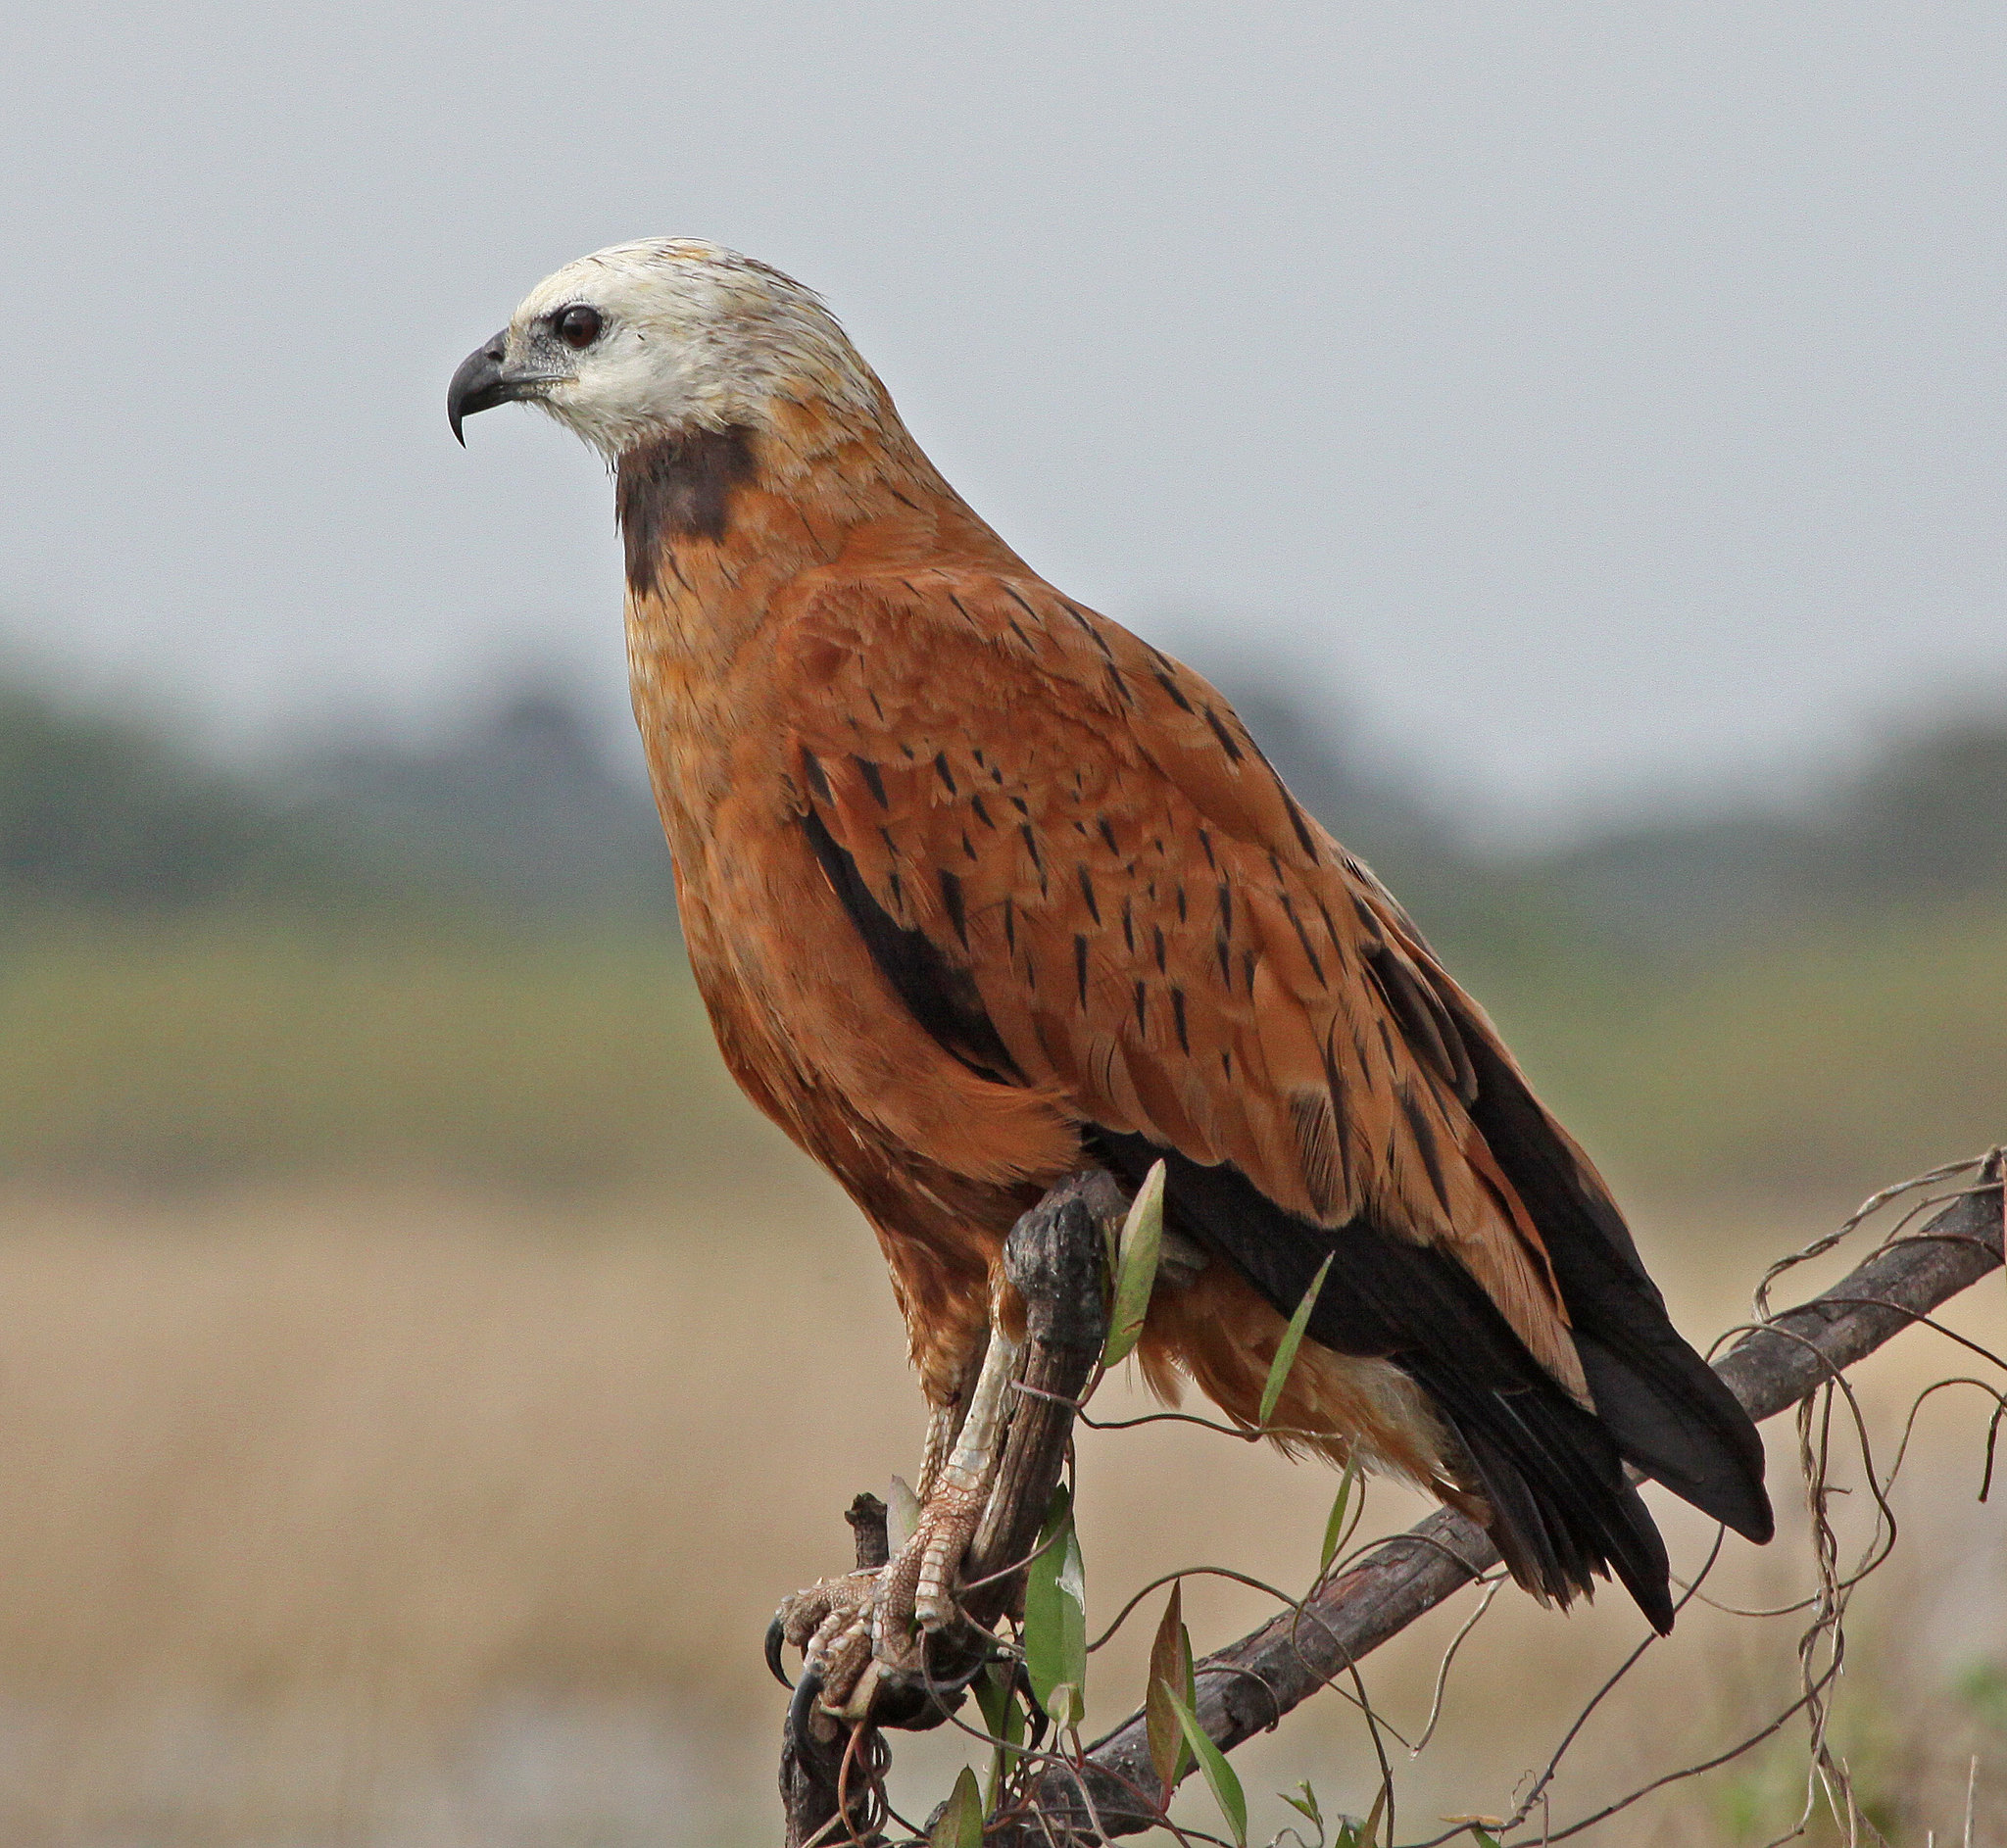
x=1226 y=741
x=1022 y=604
x=1303 y=938
x=1424 y=1133
x=951 y=896
x=873 y=780
x=940 y=998
x=1425 y=1022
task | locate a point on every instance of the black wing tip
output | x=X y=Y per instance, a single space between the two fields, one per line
x=1675 y=1419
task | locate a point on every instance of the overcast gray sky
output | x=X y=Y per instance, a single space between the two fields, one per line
x=1585 y=401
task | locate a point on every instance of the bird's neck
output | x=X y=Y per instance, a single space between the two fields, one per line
x=718 y=524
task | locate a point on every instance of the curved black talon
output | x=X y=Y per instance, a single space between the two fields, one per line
x=808 y=1690
x=776 y=1640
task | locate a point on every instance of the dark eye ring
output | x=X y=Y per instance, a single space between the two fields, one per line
x=577 y=326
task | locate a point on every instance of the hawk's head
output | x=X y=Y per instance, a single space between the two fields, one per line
x=663 y=337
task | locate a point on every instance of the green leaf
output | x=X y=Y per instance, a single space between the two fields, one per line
x=961 y=1823
x=1003 y=1720
x=1292 y=1339
x=1334 y=1529
x=1484 y=1837
x=1369 y=1835
x=1169 y=1674
x=1055 y=1607
x=1136 y=1258
x=1219 y=1775
x=1305 y=1805
x=993 y=1696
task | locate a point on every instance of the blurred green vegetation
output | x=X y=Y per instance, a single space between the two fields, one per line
x=242 y=1042
x=1818 y=1062
x=461 y=959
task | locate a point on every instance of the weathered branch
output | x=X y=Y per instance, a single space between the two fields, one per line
x=1248 y=1686
x=1054 y=1260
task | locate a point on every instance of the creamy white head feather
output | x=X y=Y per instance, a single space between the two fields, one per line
x=691 y=337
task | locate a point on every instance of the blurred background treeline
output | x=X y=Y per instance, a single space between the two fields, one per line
x=455 y=957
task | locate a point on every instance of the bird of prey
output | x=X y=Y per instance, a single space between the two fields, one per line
x=981 y=890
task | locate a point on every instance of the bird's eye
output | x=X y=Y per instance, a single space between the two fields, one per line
x=578 y=325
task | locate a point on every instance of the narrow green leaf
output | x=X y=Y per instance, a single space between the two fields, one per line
x=1055 y=1607
x=1143 y=1234
x=1369 y=1835
x=1003 y=1712
x=1219 y=1775
x=961 y=1823
x=1334 y=1529
x=1292 y=1339
x=1305 y=1805
x=993 y=1696
x=1166 y=1678
x=1484 y=1837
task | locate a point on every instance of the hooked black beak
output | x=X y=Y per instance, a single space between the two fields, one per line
x=480 y=384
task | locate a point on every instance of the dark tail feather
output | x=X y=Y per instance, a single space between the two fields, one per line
x=1667 y=1409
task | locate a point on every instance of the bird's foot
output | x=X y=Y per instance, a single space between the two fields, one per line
x=856 y=1630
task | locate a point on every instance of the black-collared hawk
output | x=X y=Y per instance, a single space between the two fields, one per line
x=981 y=890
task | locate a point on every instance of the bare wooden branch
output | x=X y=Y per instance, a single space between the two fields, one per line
x=1248 y=1686
x=1054 y=1260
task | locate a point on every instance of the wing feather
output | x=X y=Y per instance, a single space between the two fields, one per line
x=1145 y=917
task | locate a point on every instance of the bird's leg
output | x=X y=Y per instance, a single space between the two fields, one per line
x=918 y=1585
x=848 y=1628
x=945 y=1423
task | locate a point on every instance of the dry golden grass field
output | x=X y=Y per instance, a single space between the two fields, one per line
x=394 y=1516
